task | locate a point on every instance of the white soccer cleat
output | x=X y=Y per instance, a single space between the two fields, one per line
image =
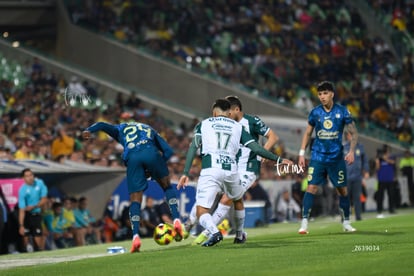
x=347 y=226
x=304 y=227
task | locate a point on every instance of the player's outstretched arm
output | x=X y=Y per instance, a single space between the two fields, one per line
x=259 y=150
x=109 y=129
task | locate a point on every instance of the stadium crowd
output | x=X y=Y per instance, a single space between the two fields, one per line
x=278 y=49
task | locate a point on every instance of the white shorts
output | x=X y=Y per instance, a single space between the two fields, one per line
x=213 y=181
x=247 y=179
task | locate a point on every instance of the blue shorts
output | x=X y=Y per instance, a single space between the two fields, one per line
x=319 y=171
x=138 y=162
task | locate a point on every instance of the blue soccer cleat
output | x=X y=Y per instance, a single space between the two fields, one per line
x=214 y=239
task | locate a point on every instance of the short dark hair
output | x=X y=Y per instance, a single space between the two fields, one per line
x=223 y=104
x=234 y=101
x=326 y=86
x=56 y=205
x=25 y=170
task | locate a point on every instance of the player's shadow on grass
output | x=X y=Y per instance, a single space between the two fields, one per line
x=374 y=233
x=276 y=243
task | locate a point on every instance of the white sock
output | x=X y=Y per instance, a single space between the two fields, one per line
x=193 y=215
x=136 y=235
x=220 y=213
x=239 y=216
x=207 y=222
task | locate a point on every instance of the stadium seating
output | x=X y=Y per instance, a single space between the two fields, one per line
x=279 y=54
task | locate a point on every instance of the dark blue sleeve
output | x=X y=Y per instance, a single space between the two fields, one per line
x=311 y=118
x=163 y=146
x=109 y=129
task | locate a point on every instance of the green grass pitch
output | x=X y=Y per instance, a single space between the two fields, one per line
x=379 y=247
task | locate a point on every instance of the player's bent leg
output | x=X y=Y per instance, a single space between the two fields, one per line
x=135 y=217
x=239 y=218
x=307 y=204
x=207 y=222
x=222 y=210
x=171 y=197
x=345 y=206
x=192 y=219
x=180 y=232
x=201 y=238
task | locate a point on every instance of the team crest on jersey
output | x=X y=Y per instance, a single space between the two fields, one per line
x=327 y=124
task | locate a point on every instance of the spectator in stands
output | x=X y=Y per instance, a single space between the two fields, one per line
x=56 y=224
x=150 y=218
x=304 y=103
x=381 y=116
x=68 y=205
x=110 y=227
x=41 y=151
x=86 y=227
x=287 y=209
x=37 y=67
x=5 y=140
x=5 y=153
x=25 y=150
x=62 y=145
x=269 y=35
x=405 y=136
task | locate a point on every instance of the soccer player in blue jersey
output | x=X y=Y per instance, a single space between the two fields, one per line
x=145 y=152
x=327 y=159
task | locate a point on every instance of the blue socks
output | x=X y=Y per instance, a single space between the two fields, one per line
x=307 y=204
x=172 y=202
x=134 y=216
x=345 y=205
